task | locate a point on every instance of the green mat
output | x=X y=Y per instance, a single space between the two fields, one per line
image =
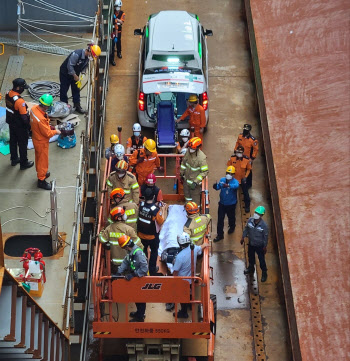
x=5 y=149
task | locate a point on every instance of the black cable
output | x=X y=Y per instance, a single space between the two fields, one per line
x=39 y=88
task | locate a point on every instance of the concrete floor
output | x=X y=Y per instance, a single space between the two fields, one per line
x=231 y=104
x=19 y=188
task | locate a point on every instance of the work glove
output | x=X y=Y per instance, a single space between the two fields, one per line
x=215 y=185
x=193 y=185
x=129 y=276
x=242 y=240
x=115 y=39
x=244 y=180
x=265 y=250
x=140 y=160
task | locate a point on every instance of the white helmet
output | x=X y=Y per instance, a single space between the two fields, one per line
x=119 y=151
x=183 y=239
x=136 y=127
x=118 y=3
x=185 y=133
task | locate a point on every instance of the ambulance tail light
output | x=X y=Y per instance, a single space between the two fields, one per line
x=142 y=101
x=205 y=100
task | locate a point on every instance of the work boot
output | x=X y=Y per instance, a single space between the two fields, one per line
x=218 y=238
x=169 y=307
x=249 y=270
x=44 y=185
x=47 y=175
x=136 y=317
x=181 y=314
x=78 y=108
x=264 y=276
x=119 y=55
x=27 y=165
x=113 y=63
x=247 y=209
x=15 y=162
x=231 y=230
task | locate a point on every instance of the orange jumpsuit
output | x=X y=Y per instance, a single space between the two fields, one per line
x=197 y=119
x=146 y=167
x=242 y=165
x=41 y=133
x=250 y=144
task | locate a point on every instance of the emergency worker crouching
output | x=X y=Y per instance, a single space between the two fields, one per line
x=17 y=118
x=196 y=224
x=182 y=144
x=193 y=169
x=114 y=231
x=131 y=209
x=150 y=218
x=145 y=161
x=136 y=140
x=121 y=178
x=133 y=265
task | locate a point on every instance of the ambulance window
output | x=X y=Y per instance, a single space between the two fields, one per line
x=204 y=56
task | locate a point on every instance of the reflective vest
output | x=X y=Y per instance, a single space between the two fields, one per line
x=120 y=15
x=132 y=258
x=146 y=223
x=154 y=189
x=137 y=145
x=13 y=116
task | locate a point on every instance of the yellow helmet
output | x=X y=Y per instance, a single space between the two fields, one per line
x=231 y=169
x=193 y=98
x=150 y=145
x=114 y=139
x=95 y=51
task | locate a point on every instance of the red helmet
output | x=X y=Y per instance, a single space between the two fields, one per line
x=151 y=179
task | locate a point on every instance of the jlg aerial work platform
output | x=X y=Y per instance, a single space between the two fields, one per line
x=161 y=336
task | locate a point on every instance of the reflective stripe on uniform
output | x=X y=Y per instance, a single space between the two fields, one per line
x=144 y=220
x=199 y=177
x=116 y=261
x=188 y=199
x=195 y=239
x=127 y=191
x=115 y=234
x=130 y=212
x=189 y=181
x=204 y=167
x=109 y=183
x=193 y=169
x=132 y=220
x=9 y=110
x=200 y=229
x=198 y=219
x=137 y=240
x=102 y=239
x=135 y=185
x=183 y=166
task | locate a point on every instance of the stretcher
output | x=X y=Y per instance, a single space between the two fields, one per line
x=166 y=135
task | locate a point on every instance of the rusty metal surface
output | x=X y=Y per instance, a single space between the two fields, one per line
x=302 y=60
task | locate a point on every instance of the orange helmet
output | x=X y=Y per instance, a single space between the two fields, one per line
x=117 y=212
x=117 y=193
x=195 y=143
x=122 y=165
x=191 y=208
x=123 y=240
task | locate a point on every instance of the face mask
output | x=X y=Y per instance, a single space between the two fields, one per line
x=136 y=134
x=125 y=217
x=228 y=176
x=245 y=132
x=192 y=150
x=256 y=216
x=121 y=175
x=185 y=139
x=239 y=155
x=118 y=8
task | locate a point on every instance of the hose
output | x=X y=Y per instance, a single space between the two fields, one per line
x=39 y=88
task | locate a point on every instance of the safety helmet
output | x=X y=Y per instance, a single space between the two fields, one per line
x=118 y=193
x=151 y=179
x=150 y=145
x=95 y=51
x=191 y=208
x=260 y=210
x=247 y=127
x=122 y=165
x=119 y=150
x=183 y=239
x=118 y=3
x=46 y=100
x=117 y=212
x=114 y=139
x=124 y=240
x=136 y=127
x=195 y=143
x=193 y=98
x=19 y=82
x=185 y=133
x=231 y=169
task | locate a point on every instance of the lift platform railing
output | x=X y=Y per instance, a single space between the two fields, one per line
x=107 y=290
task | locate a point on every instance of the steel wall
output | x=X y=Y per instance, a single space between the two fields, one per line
x=8 y=12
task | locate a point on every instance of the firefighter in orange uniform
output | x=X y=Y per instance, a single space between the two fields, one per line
x=243 y=166
x=197 y=116
x=145 y=160
x=41 y=133
x=251 y=147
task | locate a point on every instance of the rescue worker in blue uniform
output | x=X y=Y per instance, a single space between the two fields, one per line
x=75 y=64
x=228 y=186
x=257 y=232
x=133 y=265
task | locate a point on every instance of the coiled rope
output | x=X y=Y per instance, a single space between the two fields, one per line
x=39 y=88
